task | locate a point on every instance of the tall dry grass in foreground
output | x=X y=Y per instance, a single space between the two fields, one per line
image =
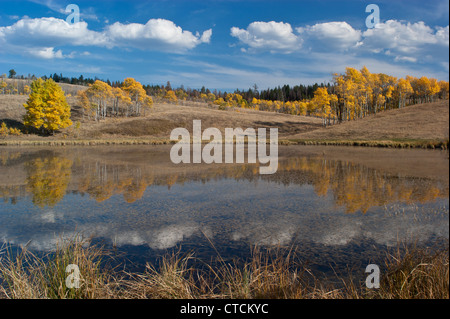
x=415 y=274
x=408 y=274
x=26 y=276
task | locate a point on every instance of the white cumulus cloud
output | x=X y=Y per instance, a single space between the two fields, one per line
x=45 y=32
x=272 y=36
x=46 y=53
x=157 y=34
x=330 y=36
x=280 y=37
x=398 y=40
x=41 y=37
x=407 y=41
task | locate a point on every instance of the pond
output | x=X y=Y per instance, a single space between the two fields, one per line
x=339 y=207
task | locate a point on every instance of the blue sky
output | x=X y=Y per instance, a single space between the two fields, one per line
x=224 y=44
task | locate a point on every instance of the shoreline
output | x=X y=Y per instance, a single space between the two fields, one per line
x=419 y=144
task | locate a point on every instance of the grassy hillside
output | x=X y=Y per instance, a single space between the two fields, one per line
x=413 y=125
x=161 y=120
x=429 y=121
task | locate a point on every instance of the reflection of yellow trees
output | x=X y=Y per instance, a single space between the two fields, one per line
x=134 y=191
x=358 y=188
x=7 y=157
x=355 y=187
x=102 y=181
x=13 y=192
x=171 y=180
x=102 y=192
x=48 y=179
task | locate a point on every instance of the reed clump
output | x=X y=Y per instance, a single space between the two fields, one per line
x=24 y=275
x=415 y=274
x=268 y=274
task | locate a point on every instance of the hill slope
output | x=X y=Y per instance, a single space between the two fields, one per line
x=429 y=121
x=163 y=118
x=424 y=122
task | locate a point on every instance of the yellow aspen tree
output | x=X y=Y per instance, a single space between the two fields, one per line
x=351 y=115
x=356 y=88
x=339 y=83
x=404 y=89
x=4 y=130
x=358 y=91
x=321 y=105
x=333 y=104
x=303 y=107
x=370 y=81
x=181 y=95
x=414 y=84
x=120 y=96
x=171 y=96
x=136 y=92
x=221 y=103
x=350 y=99
x=229 y=99
x=381 y=99
x=3 y=86
x=47 y=109
x=423 y=89
x=278 y=105
x=211 y=97
x=99 y=93
x=85 y=104
x=288 y=106
x=379 y=95
x=433 y=89
x=444 y=88
x=388 y=87
x=147 y=103
x=295 y=108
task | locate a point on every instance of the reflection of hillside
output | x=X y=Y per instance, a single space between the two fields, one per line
x=353 y=186
x=304 y=202
x=10 y=191
x=8 y=157
x=102 y=181
x=102 y=175
x=358 y=188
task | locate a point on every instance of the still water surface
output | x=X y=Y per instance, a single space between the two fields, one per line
x=339 y=207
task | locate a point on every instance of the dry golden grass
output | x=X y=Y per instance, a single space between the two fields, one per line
x=156 y=125
x=11 y=107
x=26 y=276
x=173 y=279
x=424 y=126
x=415 y=274
x=410 y=274
x=429 y=121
